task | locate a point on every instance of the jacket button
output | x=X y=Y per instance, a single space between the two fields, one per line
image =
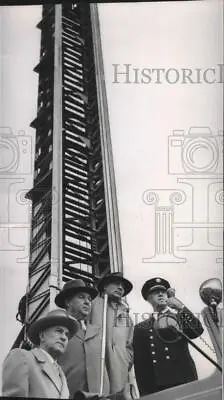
x=167 y=357
x=154 y=361
x=150 y=330
x=166 y=348
x=150 y=337
x=152 y=345
x=153 y=352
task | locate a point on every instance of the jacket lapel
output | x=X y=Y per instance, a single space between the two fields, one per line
x=91 y=331
x=47 y=367
x=64 y=387
x=80 y=334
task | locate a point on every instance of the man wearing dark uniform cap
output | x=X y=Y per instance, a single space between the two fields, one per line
x=161 y=355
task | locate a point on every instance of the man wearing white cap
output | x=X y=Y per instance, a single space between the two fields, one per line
x=35 y=373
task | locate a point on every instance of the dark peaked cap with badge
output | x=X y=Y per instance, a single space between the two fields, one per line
x=71 y=288
x=114 y=277
x=154 y=284
x=53 y=318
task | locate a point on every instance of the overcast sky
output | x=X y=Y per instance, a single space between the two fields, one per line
x=174 y=36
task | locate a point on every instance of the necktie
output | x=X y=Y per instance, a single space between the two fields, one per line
x=155 y=315
x=83 y=325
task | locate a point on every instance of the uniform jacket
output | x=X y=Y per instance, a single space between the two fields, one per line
x=32 y=374
x=119 y=349
x=81 y=361
x=159 y=364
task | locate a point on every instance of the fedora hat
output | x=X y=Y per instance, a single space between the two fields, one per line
x=114 y=277
x=73 y=287
x=53 y=318
x=154 y=284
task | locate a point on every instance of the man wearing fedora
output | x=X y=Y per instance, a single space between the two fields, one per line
x=35 y=373
x=81 y=361
x=119 y=334
x=161 y=355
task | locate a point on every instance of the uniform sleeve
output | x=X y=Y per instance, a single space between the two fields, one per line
x=15 y=375
x=140 y=362
x=190 y=325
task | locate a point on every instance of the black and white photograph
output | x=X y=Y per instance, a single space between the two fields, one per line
x=111 y=193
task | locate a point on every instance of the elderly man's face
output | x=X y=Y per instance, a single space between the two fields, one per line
x=79 y=306
x=158 y=299
x=114 y=289
x=54 y=340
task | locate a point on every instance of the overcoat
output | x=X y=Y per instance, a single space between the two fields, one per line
x=31 y=374
x=81 y=361
x=158 y=364
x=119 y=337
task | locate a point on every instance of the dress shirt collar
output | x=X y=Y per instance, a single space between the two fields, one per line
x=156 y=314
x=82 y=322
x=50 y=358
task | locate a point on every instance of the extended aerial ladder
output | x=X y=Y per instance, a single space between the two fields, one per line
x=75 y=227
